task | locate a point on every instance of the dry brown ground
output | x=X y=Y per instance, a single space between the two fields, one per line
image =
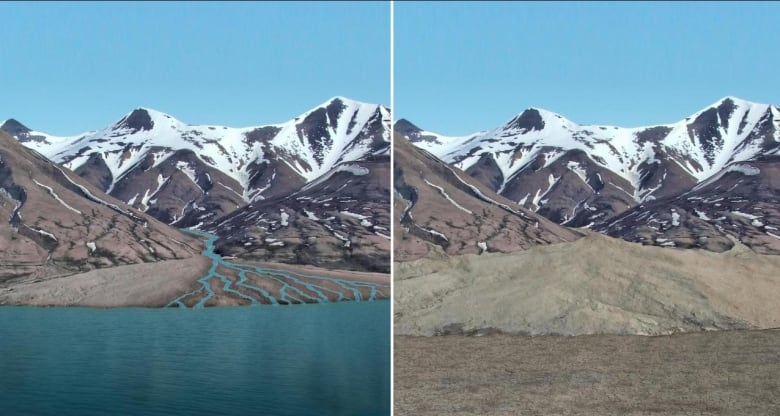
x=595 y=285
x=157 y=284
x=145 y=284
x=705 y=373
x=382 y=278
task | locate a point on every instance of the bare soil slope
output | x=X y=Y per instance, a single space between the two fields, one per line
x=144 y=285
x=594 y=285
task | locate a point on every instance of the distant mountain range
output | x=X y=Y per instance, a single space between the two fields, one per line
x=312 y=190
x=701 y=182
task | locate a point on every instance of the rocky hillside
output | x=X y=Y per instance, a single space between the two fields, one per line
x=55 y=222
x=341 y=220
x=439 y=205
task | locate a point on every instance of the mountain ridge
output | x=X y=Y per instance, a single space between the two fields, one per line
x=585 y=175
x=196 y=176
x=302 y=149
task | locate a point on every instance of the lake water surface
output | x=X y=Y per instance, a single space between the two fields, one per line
x=318 y=359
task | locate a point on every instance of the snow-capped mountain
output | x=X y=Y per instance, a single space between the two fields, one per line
x=586 y=175
x=298 y=192
x=189 y=174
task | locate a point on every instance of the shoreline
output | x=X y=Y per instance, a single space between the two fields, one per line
x=158 y=283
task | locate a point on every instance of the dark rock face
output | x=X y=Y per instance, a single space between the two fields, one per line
x=262 y=134
x=21 y=132
x=334 y=110
x=339 y=221
x=96 y=172
x=16 y=193
x=314 y=130
x=404 y=127
x=704 y=130
x=653 y=134
x=412 y=133
x=742 y=202
x=725 y=109
x=14 y=128
x=486 y=170
x=136 y=121
x=528 y=120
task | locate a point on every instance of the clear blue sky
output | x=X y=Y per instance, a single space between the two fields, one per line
x=68 y=68
x=463 y=67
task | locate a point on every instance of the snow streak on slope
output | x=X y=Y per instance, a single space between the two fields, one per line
x=57 y=197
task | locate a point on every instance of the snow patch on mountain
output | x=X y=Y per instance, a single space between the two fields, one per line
x=703 y=144
x=188 y=170
x=338 y=131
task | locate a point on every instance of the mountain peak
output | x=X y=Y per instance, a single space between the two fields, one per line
x=341 y=98
x=731 y=98
x=530 y=119
x=138 y=119
x=14 y=127
x=736 y=101
x=404 y=125
x=535 y=119
x=345 y=101
x=142 y=118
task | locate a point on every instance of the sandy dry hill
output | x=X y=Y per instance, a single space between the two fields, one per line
x=597 y=284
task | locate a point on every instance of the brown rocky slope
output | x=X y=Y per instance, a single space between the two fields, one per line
x=54 y=223
x=439 y=205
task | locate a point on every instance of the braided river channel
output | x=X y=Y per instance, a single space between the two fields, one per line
x=256 y=285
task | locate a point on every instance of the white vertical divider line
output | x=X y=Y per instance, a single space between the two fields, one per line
x=392 y=214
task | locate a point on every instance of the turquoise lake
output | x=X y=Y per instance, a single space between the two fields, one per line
x=317 y=359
